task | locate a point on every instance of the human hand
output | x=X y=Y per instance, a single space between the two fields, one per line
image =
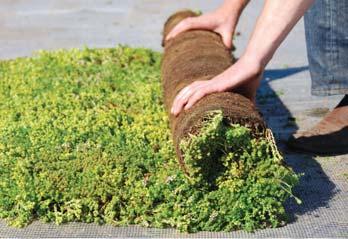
x=222 y=21
x=243 y=77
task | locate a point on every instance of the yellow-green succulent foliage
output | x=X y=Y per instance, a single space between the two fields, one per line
x=84 y=137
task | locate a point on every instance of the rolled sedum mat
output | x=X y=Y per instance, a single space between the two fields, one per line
x=201 y=55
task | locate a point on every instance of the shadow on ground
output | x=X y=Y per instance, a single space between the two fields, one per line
x=315 y=188
x=275 y=74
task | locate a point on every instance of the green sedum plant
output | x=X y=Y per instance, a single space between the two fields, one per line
x=84 y=137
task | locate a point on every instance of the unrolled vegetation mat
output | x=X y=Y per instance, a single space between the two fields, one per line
x=84 y=137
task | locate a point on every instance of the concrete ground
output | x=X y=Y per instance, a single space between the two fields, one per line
x=284 y=98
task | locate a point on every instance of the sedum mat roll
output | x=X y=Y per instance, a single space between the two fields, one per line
x=200 y=55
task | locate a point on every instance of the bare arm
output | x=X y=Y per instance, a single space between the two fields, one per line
x=277 y=19
x=273 y=25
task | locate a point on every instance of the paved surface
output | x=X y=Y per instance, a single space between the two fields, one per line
x=30 y=25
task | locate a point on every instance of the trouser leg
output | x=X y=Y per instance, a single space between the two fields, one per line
x=326 y=27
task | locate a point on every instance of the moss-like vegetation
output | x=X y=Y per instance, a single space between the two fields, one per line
x=84 y=137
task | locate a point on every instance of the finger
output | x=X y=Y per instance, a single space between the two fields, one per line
x=180 y=100
x=184 y=100
x=194 y=98
x=191 y=89
x=182 y=92
x=178 y=106
x=185 y=93
x=201 y=91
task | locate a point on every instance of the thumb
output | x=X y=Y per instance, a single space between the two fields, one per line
x=226 y=38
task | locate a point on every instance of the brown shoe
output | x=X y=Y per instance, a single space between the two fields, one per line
x=329 y=136
x=327 y=144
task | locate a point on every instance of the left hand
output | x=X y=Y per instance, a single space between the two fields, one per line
x=245 y=74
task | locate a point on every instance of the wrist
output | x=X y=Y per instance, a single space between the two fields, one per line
x=252 y=62
x=257 y=56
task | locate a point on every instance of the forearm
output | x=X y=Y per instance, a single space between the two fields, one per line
x=277 y=19
x=233 y=7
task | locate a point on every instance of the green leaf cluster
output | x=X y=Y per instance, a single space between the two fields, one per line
x=84 y=137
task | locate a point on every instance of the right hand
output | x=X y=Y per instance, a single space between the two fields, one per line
x=243 y=77
x=221 y=21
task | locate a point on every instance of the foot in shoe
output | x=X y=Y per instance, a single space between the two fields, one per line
x=330 y=135
x=334 y=121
